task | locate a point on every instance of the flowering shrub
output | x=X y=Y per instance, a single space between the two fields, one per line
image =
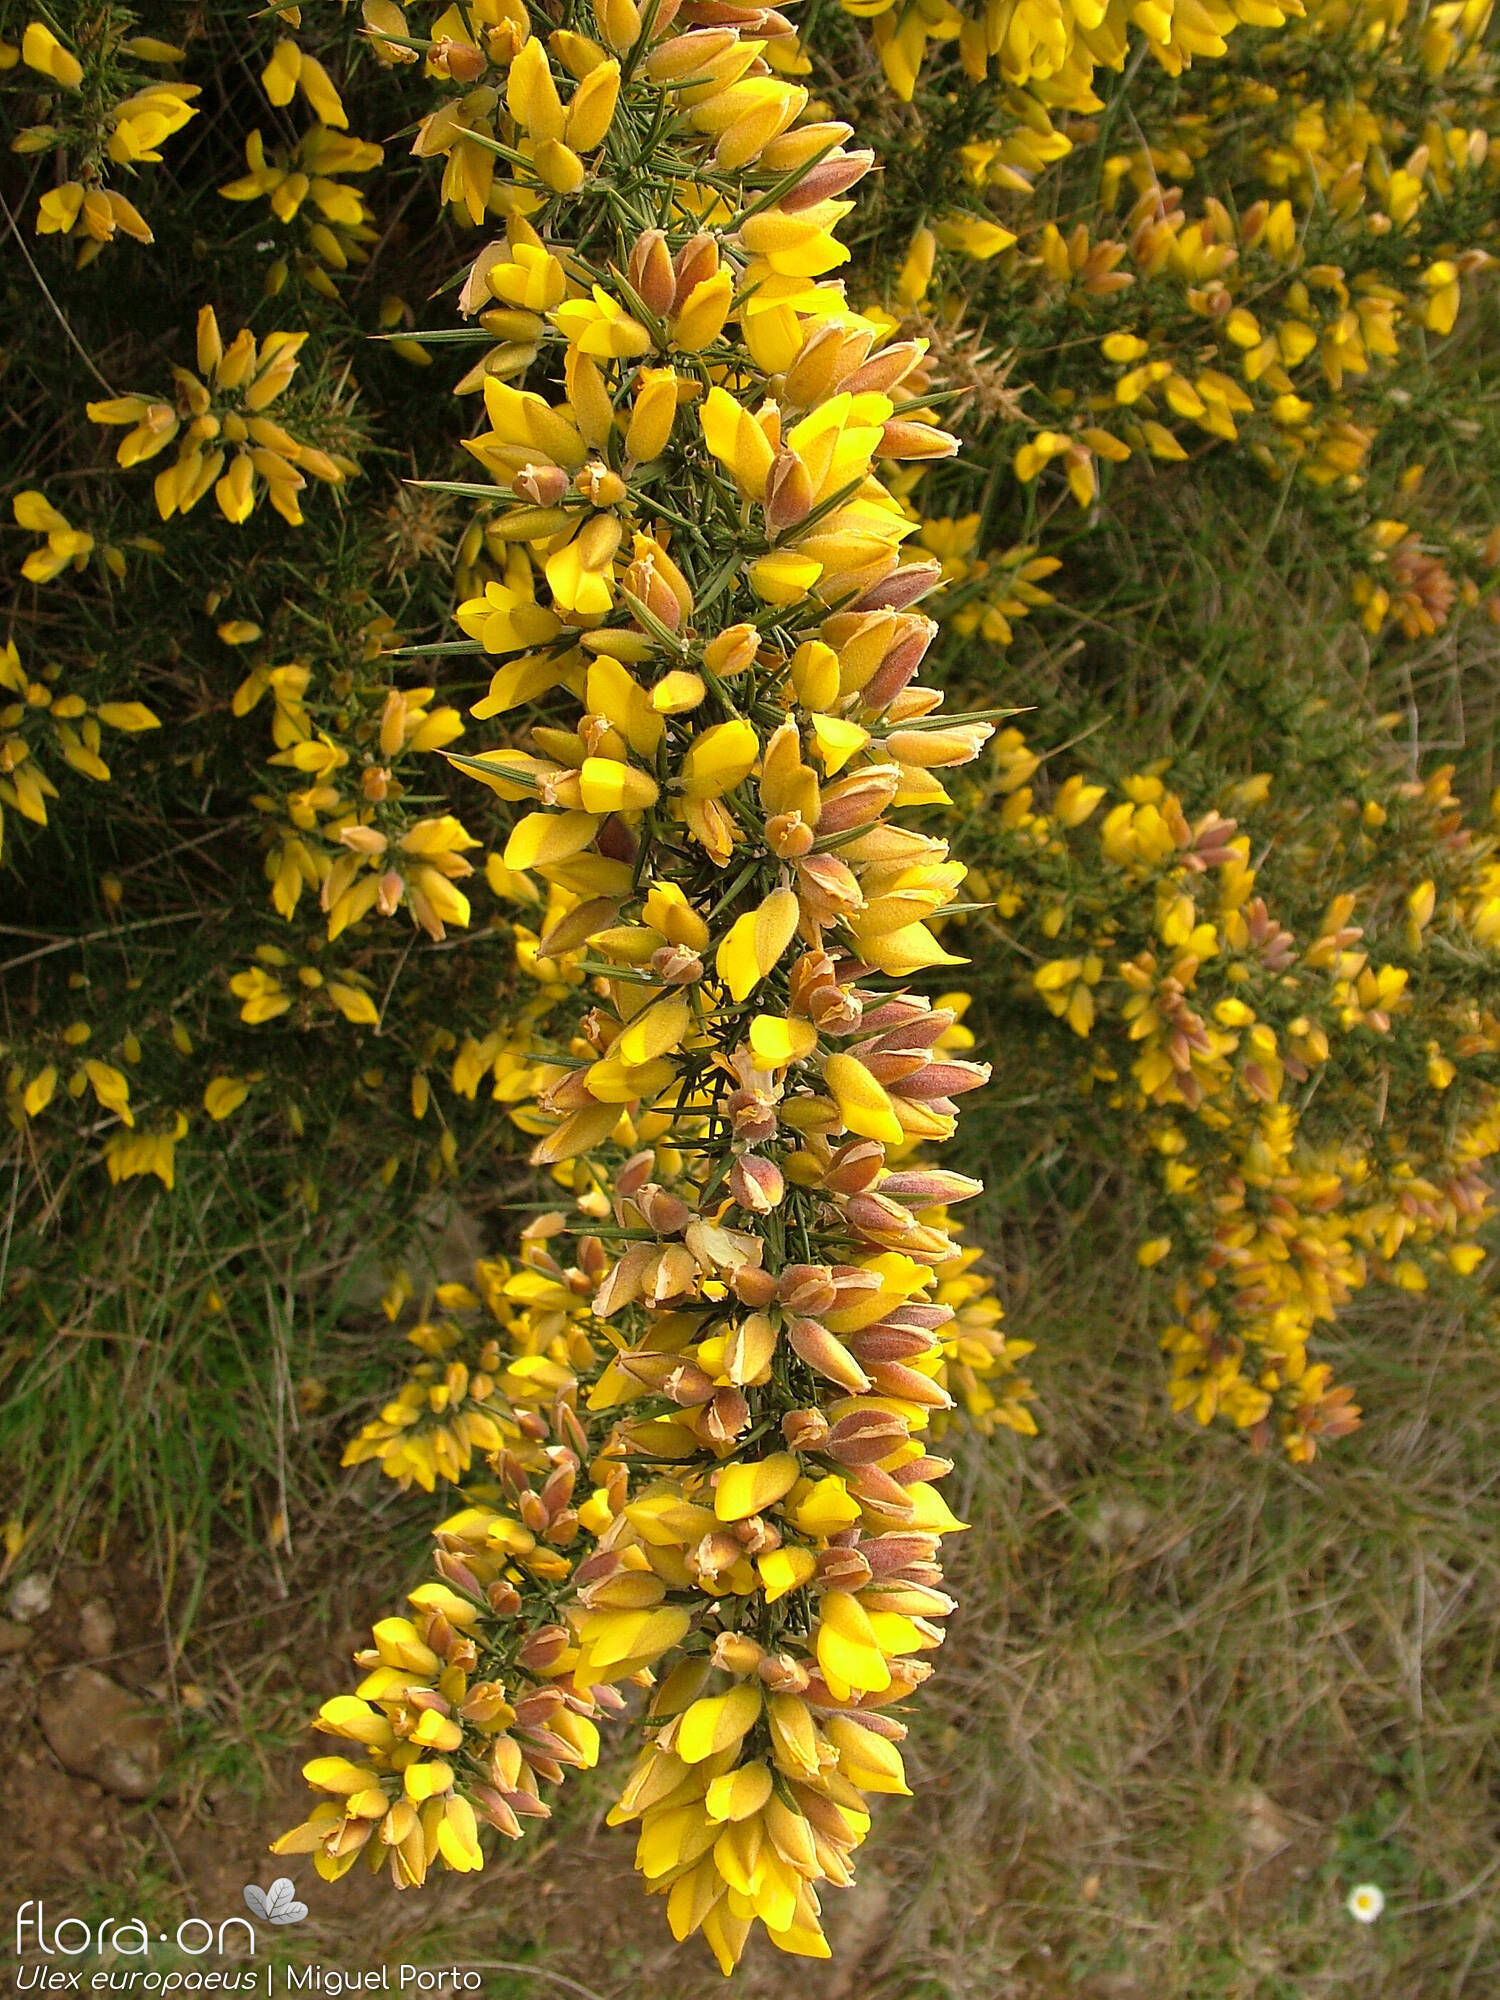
x=580 y=737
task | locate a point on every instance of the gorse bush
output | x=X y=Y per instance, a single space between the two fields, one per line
x=528 y=558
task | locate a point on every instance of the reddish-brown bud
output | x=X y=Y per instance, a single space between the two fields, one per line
x=902 y=587
x=926 y=1187
x=756 y=1184
x=807 y=1288
x=926 y=1468
x=676 y=965
x=830 y=177
x=544 y=484
x=752 y=1286
x=459 y=60
x=543 y=1648
x=887 y=367
x=826 y=1355
x=727 y=1414
x=788 y=495
x=783 y=1674
x=695 y=263
x=887 y=1343
x=688 y=1385
x=894 y=1378
x=865 y=1436
x=842 y=1569
x=804 y=1430
x=650 y=272
x=856 y=801
x=854 y=1167
x=665 y=1214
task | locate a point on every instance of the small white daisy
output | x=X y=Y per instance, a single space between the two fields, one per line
x=1365 y=1903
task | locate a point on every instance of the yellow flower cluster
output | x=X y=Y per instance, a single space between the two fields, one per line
x=1045 y=53
x=226 y=443
x=101 y=113
x=34 y=712
x=304 y=181
x=689 y=538
x=472 y=1704
x=1206 y=1021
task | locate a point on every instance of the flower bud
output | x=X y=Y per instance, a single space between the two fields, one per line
x=676 y=965
x=888 y=1343
x=886 y=368
x=695 y=263
x=820 y=367
x=928 y=1186
x=788 y=494
x=864 y=1436
x=804 y=1430
x=752 y=1286
x=856 y=801
x=902 y=438
x=727 y=1414
x=807 y=1288
x=691 y=55
x=926 y=1468
x=737 y=1653
x=891 y=677
x=362 y=839
x=830 y=177
x=879 y=1494
x=894 y=1378
x=644 y=580
x=545 y=484
x=854 y=1167
x=936 y=749
x=687 y=1385
x=783 y=1674
x=650 y=272
x=459 y=60
x=902 y=587
x=620 y=23
x=715 y=1554
x=756 y=1183
x=788 y=836
x=665 y=1214
x=827 y=1356
x=842 y=1569
x=543 y=1648
x=599 y=485
x=731 y=650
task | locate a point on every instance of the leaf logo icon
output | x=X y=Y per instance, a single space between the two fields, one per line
x=278 y=1904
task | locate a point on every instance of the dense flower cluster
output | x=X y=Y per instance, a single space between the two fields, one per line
x=1317 y=1111
x=1288 y=311
x=102 y=115
x=697 y=548
x=584 y=787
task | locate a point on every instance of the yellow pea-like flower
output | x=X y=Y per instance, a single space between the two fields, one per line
x=592 y=110
x=864 y=1105
x=717 y=1722
x=756 y=942
x=42 y=51
x=542 y=838
x=737 y=441
x=748 y=1488
x=848 y=1651
x=703 y=313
